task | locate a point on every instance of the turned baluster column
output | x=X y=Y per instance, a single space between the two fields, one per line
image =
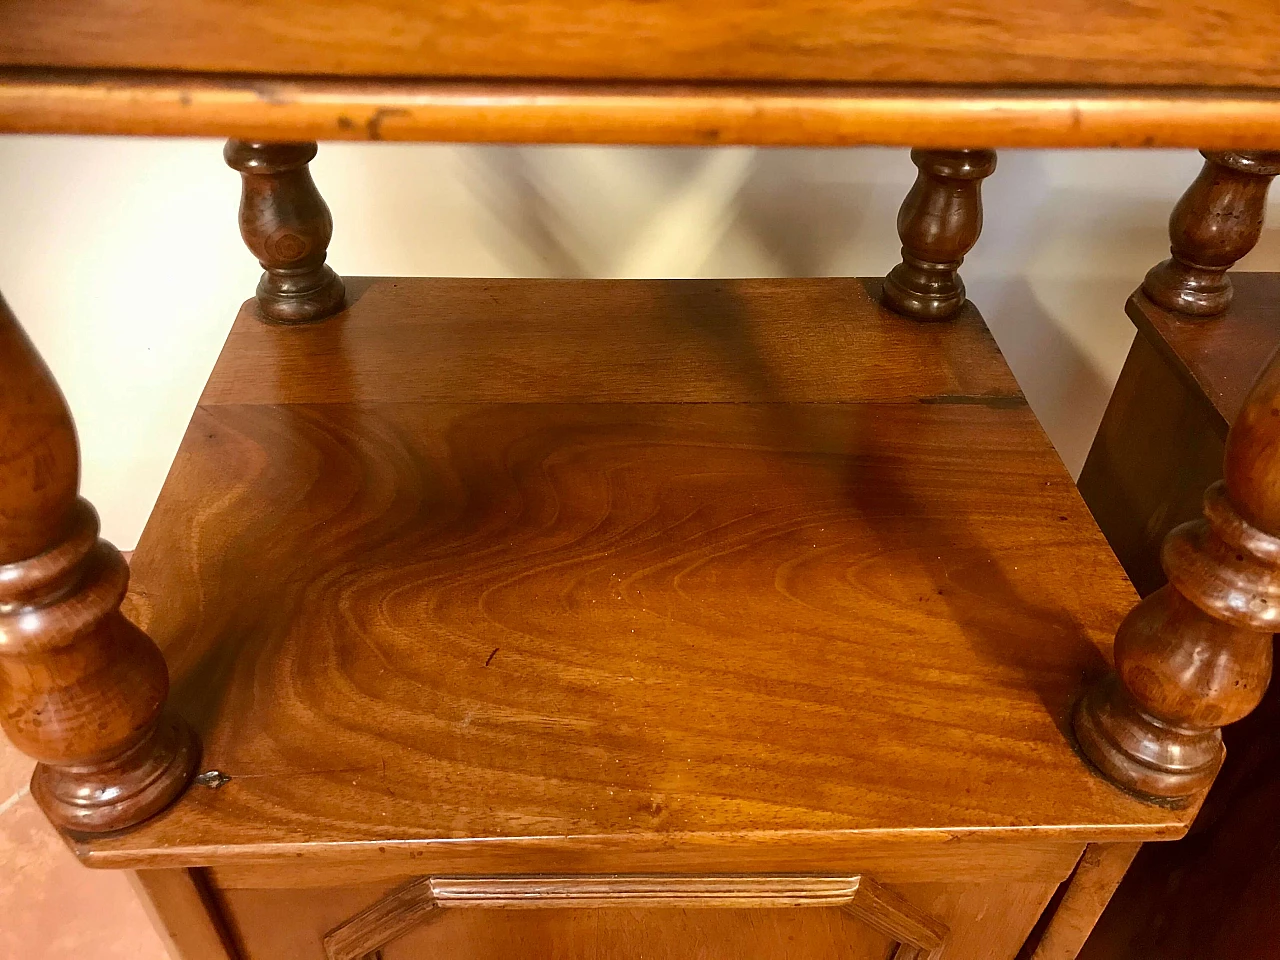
x=82 y=690
x=1217 y=221
x=939 y=223
x=1196 y=654
x=287 y=226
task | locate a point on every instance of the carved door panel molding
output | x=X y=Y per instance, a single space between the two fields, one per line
x=419 y=901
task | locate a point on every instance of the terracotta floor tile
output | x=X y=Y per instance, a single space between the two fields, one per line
x=55 y=909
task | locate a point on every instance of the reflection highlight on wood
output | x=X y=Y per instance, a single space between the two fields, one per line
x=1196 y=654
x=690 y=600
x=944 y=117
x=940 y=221
x=1215 y=223
x=82 y=689
x=415 y=902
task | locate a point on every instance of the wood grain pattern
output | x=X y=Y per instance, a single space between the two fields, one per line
x=1100 y=871
x=760 y=618
x=1221 y=43
x=1215 y=223
x=418 y=901
x=944 y=117
x=925 y=857
x=82 y=690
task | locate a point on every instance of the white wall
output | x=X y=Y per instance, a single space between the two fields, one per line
x=123 y=260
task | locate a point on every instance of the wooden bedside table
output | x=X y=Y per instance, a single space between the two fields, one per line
x=609 y=618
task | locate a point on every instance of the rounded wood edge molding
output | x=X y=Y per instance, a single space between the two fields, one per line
x=275 y=108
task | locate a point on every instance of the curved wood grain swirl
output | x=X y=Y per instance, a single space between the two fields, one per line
x=624 y=625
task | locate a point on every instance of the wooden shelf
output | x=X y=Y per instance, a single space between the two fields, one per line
x=527 y=575
x=1218 y=358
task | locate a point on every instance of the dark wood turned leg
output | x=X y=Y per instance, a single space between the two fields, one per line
x=1217 y=221
x=287 y=226
x=939 y=223
x=82 y=690
x=1196 y=654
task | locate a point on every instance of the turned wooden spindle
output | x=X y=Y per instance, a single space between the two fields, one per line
x=939 y=223
x=287 y=226
x=1215 y=223
x=1196 y=654
x=82 y=690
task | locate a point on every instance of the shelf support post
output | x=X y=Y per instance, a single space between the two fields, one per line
x=1196 y=655
x=1215 y=223
x=82 y=690
x=287 y=226
x=939 y=222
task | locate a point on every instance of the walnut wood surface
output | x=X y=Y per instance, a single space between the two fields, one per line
x=939 y=223
x=82 y=690
x=1090 y=888
x=897 y=859
x=1215 y=223
x=286 y=225
x=309 y=108
x=1220 y=359
x=1220 y=43
x=1196 y=654
x=186 y=912
x=479 y=544
x=987 y=921
x=1211 y=894
x=419 y=901
x=1161 y=439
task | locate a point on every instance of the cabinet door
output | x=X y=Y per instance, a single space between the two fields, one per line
x=987 y=921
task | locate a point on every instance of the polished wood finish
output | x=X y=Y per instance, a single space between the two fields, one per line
x=1211 y=894
x=1160 y=443
x=82 y=690
x=1086 y=895
x=417 y=902
x=1213 y=43
x=287 y=226
x=310 y=108
x=1196 y=654
x=484 y=462
x=1217 y=221
x=939 y=223
x=1157 y=449
x=185 y=911
x=986 y=921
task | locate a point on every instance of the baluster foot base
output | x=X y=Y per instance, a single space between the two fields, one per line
x=122 y=792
